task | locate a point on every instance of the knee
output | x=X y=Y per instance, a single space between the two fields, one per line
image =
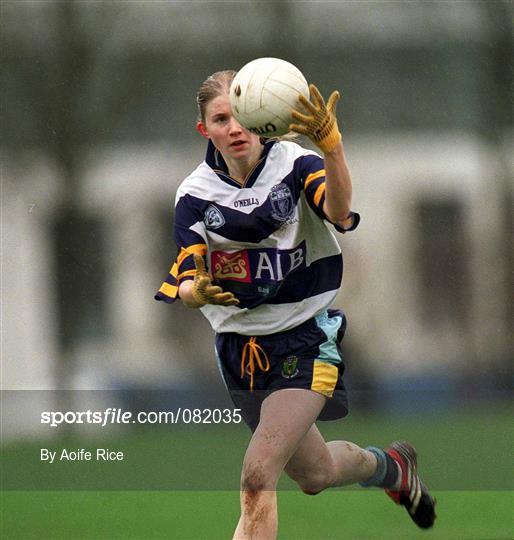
x=311 y=488
x=312 y=493
x=256 y=478
x=316 y=483
x=312 y=482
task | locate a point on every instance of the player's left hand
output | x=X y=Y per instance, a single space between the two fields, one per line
x=204 y=292
x=321 y=124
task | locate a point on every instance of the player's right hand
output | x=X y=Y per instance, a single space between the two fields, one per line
x=204 y=292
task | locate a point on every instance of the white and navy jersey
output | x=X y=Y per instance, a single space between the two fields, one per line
x=267 y=241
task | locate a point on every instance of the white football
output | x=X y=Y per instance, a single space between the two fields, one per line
x=263 y=94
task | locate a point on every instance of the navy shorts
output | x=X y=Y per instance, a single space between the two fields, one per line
x=307 y=356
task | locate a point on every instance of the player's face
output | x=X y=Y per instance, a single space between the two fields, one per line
x=226 y=133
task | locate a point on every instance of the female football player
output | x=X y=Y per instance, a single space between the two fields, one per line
x=258 y=257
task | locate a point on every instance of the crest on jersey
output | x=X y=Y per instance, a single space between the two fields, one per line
x=213 y=218
x=281 y=202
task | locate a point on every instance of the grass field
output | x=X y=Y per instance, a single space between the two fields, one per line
x=466 y=457
x=211 y=515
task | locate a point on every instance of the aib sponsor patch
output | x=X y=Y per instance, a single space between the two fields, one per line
x=233 y=266
x=213 y=218
x=265 y=265
x=281 y=199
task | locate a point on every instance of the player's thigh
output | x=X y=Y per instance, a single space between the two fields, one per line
x=286 y=416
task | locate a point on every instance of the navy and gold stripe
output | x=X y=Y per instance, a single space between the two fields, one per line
x=169 y=289
x=320 y=191
x=313 y=172
x=312 y=177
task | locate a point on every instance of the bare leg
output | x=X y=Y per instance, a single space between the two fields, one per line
x=286 y=416
x=353 y=464
x=317 y=465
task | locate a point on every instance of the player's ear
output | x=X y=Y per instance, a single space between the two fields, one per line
x=201 y=129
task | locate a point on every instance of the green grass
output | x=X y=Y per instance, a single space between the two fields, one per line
x=212 y=515
x=182 y=483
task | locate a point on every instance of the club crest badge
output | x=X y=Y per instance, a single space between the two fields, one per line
x=281 y=202
x=289 y=367
x=213 y=218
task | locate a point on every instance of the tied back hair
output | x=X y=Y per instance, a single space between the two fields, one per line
x=215 y=85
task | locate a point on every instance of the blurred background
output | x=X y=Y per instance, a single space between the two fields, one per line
x=98 y=130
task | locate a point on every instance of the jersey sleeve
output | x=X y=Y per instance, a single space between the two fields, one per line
x=313 y=182
x=188 y=234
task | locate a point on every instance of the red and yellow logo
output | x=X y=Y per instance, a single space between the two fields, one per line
x=233 y=266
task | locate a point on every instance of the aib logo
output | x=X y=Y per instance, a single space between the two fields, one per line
x=233 y=266
x=262 y=266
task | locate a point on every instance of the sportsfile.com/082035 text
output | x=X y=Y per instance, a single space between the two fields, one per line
x=113 y=415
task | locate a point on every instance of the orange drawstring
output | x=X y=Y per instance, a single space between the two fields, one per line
x=253 y=350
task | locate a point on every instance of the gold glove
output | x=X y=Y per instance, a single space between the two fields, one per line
x=204 y=292
x=321 y=125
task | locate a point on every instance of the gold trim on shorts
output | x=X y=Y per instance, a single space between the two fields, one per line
x=324 y=378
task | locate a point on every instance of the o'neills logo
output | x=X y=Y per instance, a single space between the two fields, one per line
x=264 y=130
x=234 y=266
